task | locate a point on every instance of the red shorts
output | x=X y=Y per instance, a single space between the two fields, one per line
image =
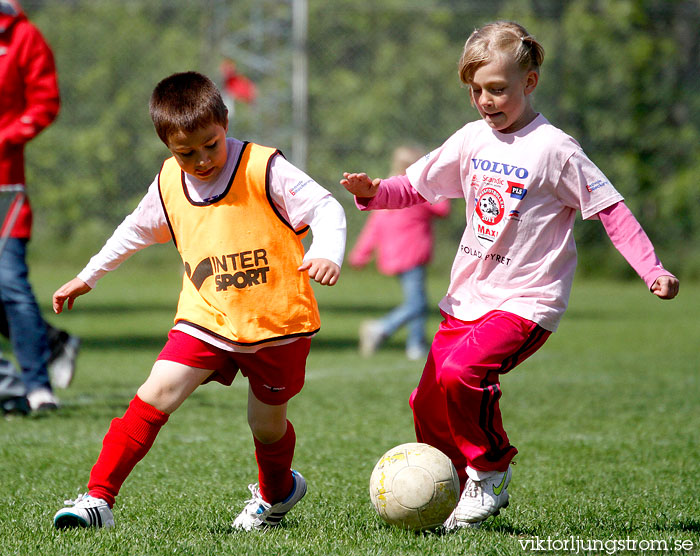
x=275 y=373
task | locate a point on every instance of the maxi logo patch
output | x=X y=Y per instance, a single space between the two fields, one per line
x=240 y=270
x=488 y=220
x=489 y=206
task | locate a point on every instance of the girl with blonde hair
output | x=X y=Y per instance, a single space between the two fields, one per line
x=523 y=181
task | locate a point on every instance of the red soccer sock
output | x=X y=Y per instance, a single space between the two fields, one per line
x=274 y=466
x=127 y=441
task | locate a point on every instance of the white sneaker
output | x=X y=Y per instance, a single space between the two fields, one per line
x=480 y=500
x=451 y=524
x=62 y=364
x=370 y=337
x=414 y=353
x=259 y=514
x=86 y=511
x=42 y=399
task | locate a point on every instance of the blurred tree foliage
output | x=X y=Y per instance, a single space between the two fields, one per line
x=621 y=76
x=91 y=168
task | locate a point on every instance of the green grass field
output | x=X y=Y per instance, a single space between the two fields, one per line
x=606 y=418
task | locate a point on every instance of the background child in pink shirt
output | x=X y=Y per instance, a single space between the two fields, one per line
x=402 y=241
x=523 y=181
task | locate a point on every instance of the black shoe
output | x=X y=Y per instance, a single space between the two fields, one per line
x=16 y=406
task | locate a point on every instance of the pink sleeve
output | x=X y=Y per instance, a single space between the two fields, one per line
x=366 y=242
x=632 y=242
x=393 y=193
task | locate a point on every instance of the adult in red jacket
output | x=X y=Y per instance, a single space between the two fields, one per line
x=29 y=101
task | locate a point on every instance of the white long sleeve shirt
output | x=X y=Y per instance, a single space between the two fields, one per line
x=298 y=198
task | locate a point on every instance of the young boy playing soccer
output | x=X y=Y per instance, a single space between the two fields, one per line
x=236 y=212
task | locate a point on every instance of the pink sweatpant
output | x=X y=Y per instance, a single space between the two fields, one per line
x=455 y=405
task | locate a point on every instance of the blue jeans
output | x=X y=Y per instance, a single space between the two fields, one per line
x=27 y=327
x=413 y=312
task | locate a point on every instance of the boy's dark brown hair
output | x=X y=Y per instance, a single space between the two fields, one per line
x=186 y=102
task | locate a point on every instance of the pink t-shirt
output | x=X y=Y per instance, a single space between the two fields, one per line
x=522 y=192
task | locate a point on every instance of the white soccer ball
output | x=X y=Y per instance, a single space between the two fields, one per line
x=414 y=486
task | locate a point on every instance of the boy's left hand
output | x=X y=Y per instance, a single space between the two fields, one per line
x=325 y=272
x=665 y=287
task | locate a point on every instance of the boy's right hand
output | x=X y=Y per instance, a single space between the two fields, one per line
x=360 y=185
x=68 y=292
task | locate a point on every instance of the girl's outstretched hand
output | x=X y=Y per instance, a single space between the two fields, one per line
x=68 y=292
x=360 y=185
x=665 y=287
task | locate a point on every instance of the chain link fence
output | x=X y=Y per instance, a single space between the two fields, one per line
x=338 y=85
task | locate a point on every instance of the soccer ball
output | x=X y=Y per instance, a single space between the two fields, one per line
x=414 y=486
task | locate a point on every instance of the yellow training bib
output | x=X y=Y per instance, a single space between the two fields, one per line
x=241 y=281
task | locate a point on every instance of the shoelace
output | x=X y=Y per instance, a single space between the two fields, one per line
x=472 y=488
x=254 y=491
x=256 y=499
x=74 y=502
